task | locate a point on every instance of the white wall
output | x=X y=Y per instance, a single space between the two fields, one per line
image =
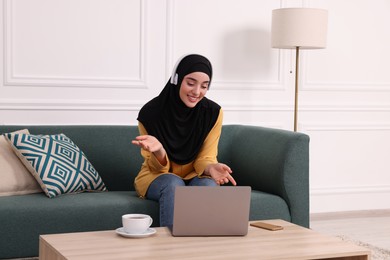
x=99 y=61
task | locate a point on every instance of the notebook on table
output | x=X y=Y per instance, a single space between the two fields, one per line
x=211 y=211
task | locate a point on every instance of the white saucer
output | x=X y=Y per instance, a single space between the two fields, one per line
x=149 y=232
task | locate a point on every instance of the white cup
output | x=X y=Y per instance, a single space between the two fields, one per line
x=136 y=223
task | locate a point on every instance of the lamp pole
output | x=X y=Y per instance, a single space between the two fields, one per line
x=296 y=89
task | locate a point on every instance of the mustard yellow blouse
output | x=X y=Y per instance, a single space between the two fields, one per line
x=151 y=167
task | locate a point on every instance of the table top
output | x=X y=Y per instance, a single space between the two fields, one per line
x=293 y=242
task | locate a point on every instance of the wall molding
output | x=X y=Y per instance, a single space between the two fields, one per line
x=70 y=105
x=367 y=107
x=330 y=191
x=12 y=79
x=287 y=106
x=350 y=126
x=349 y=198
x=90 y=104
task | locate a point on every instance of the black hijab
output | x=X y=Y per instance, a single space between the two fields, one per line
x=180 y=129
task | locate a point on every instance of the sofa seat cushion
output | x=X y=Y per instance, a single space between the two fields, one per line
x=23 y=218
x=268 y=206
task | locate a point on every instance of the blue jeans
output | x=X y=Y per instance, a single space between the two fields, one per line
x=162 y=190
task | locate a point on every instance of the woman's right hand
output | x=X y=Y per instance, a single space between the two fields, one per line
x=151 y=144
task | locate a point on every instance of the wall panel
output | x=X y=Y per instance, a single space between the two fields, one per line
x=65 y=43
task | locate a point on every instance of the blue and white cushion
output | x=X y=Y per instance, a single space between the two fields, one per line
x=57 y=163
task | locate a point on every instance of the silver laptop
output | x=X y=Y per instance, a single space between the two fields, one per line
x=211 y=211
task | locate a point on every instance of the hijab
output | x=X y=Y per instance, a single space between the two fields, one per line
x=180 y=129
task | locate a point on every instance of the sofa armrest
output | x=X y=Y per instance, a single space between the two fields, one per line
x=274 y=161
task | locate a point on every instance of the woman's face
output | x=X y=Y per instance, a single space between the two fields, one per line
x=193 y=88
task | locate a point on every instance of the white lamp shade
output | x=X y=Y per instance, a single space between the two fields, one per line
x=299 y=27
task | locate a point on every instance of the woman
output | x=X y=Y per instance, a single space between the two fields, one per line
x=179 y=134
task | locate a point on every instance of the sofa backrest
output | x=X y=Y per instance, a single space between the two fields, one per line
x=254 y=153
x=109 y=148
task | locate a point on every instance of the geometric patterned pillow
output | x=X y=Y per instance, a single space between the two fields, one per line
x=56 y=163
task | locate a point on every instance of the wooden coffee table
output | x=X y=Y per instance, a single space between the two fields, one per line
x=293 y=242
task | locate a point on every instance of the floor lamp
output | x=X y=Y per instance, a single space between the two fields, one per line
x=298 y=28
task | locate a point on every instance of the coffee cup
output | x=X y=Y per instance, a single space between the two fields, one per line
x=136 y=223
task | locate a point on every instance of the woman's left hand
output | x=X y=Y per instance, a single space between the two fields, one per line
x=221 y=173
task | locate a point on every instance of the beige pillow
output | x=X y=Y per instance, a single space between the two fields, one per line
x=15 y=179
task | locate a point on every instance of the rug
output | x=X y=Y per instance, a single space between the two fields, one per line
x=377 y=253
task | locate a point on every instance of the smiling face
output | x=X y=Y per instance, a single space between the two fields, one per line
x=193 y=88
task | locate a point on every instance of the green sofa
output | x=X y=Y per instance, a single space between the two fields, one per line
x=275 y=163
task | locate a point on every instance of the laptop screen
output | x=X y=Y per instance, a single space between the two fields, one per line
x=211 y=211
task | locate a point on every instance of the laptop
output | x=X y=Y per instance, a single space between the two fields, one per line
x=211 y=211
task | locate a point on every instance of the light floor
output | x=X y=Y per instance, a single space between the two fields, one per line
x=372 y=227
